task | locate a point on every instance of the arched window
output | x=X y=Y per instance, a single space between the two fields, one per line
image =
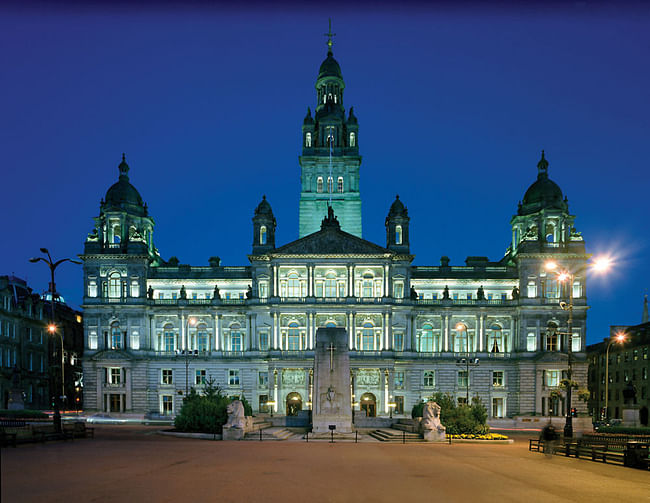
x=293 y=285
x=353 y=139
x=330 y=284
x=330 y=184
x=551 y=336
x=367 y=337
x=116 y=336
x=263 y=235
x=552 y=289
x=460 y=339
x=398 y=234
x=307 y=139
x=426 y=339
x=235 y=337
x=319 y=184
x=117 y=233
x=293 y=337
x=340 y=184
x=114 y=285
x=367 y=285
x=495 y=339
x=168 y=338
x=202 y=337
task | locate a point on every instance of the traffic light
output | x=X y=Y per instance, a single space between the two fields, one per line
x=574 y=412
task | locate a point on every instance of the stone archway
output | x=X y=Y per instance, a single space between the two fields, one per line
x=368 y=403
x=293 y=403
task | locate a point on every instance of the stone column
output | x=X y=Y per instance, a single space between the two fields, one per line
x=386 y=280
x=387 y=342
x=275 y=331
x=408 y=342
x=222 y=343
x=254 y=342
x=481 y=324
x=152 y=335
x=310 y=325
x=353 y=331
x=275 y=281
x=446 y=330
x=310 y=280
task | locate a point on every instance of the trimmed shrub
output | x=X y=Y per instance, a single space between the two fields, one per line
x=203 y=413
x=418 y=409
x=23 y=414
x=463 y=419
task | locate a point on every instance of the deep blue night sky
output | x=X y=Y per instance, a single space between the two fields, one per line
x=454 y=106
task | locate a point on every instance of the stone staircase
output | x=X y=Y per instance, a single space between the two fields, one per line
x=270 y=433
x=408 y=425
x=395 y=435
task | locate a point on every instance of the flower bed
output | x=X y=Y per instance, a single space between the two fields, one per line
x=472 y=436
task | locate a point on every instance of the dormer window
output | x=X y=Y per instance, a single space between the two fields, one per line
x=398 y=235
x=308 y=140
x=263 y=235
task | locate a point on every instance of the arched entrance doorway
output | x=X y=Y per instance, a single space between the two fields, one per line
x=294 y=404
x=369 y=404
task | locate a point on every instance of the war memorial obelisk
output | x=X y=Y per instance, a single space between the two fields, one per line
x=332 y=399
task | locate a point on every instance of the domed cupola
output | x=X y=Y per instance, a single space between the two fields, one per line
x=124 y=224
x=122 y=195
x=543 y=193
x=397 y=227
x=330 y=67
x=543 y=221
x=263 y=228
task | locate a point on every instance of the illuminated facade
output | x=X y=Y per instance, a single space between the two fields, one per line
x=154 y=327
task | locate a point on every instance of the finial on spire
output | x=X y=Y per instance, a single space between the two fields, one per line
x=123 y=167
x=329 y=36
x=542 y=166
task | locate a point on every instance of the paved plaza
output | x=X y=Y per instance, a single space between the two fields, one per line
x=134 y=463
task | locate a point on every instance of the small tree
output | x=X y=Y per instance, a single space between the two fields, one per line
x=204 y=413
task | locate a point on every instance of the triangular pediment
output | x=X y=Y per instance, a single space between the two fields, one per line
x=111 y=354
x=552 y=357
x=331 y=240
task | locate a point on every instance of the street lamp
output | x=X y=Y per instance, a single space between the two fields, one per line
x=460 y=327
x=600 y=264
x=620 y=338
x=52 y=325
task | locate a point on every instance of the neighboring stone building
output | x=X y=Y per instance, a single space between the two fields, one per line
x=155 y=327
x=23 y=344
x=628 y=362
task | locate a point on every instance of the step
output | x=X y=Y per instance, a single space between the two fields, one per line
x=393 y=435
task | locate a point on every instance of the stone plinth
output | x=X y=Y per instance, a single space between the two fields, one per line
x=631 y=416
x=229 y=433
x=332 y=398
x=434 y=435
x=16 y=401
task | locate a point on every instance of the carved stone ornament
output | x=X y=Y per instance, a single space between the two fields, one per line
x=368 y=377
x=293 y=377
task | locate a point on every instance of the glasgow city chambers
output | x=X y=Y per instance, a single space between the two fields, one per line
x=155 y=328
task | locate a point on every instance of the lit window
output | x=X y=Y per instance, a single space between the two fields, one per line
x=398 y=341
x=319 y=184
x=168 y=339
x=235 y=338
x=497 y=378
x=367 y=285
x=167 y=376
x=115 y=375
x=367 y=337
x=330 y=285
x=551 y=337
x=429 y=379
x=426 y=339
x=202 y=337
x=308 y=140
x=116 y=336
x=263 y=235
x=114 y=285
x=531 y=342
x=293 y=285
x=460 y=339
x=200 y=377
x=264 y=341
x=398 y=235
x=532 y=290
x=167 y=404
x=293 y=336
x=399 y=380
x=233 y=377
x=495 y=339
x=462 y=379
x=575 y=342
x=552 y=378
x=339 y=184
x=330 y=184
x=353 y=140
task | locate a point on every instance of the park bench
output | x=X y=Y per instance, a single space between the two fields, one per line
x=79 y=430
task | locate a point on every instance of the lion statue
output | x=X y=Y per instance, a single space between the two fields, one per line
x=235 y=412
x=431 y=417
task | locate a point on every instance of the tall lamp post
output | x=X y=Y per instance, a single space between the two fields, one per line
x=620 y=338
x=460 y=327
x=191 y=321
x=52 y=328
x=566 y=276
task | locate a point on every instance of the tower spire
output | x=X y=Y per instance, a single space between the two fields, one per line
x=644 y=317
x=329 y=36
x=542 y=166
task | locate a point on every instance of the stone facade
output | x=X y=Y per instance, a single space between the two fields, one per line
x=153 y=328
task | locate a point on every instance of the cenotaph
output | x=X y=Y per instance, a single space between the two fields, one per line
x=332 y=399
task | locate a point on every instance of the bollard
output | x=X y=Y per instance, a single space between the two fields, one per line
x=356 y=437
x=403 y=436
x=307 y=437
x=260 y=434
x=332 y=432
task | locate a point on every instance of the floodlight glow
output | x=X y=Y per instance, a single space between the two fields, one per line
x=550 y=265
x=602 y=264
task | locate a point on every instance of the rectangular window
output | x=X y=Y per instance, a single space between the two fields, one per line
x=167 y=404
x=233 y=377
x=635 y=352
x=553 y=378
x=264 y=341
x=497 y=378
x=531 y=341
x=167 y=376
x=398 y=341
x=429 y=380
x=399 y=380
x=115 y=375
x=398 y=290
x=200 y=377
x=645 y=353
x=263 y=403
x=575 y=342
x=463 y=380
x=263 y=289
x=497 y=407
x=263 y=380
x=399 y=405
x=235 y=341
